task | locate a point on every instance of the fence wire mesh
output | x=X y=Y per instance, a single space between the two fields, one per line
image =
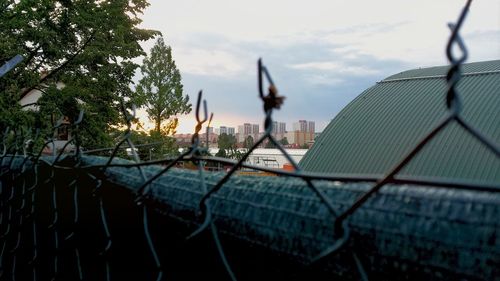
x=81 y=217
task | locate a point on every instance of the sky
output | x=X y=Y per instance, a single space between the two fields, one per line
x=320 y=53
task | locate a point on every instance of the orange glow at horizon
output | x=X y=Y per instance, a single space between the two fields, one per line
x=187 y=123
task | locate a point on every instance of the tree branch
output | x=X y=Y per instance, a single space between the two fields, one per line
x=59 y=68
x=32 y=54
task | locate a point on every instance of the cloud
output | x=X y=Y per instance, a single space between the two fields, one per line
x=321 y=53
x=336 y=67
x=208 y=62
x=317 y=77
x=316 y=81
x=483 y=44
x=322 y=79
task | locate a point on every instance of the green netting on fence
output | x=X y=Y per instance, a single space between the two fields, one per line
x=269 y=226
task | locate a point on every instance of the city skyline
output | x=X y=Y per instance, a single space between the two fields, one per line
x=278 y=127
x=248 y=128
x=300 y=135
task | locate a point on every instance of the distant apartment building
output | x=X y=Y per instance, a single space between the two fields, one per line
x=223 y=130
x=297 y=138
x=303 y=133
x=183 y=139
x=255 y=128
x=226 y=130
x=243 y=131
x=305 y=126
x=255 y=132
x=240 y=137
x=281 y=127
x=300 y=126
x=275 y=127
x=246 y=130
x=212 y=139
x=311 y=128
x=279 y=130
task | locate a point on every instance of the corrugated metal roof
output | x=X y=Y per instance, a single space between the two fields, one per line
x=373 y=133
x=467 y=69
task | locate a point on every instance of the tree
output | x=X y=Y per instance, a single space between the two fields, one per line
x=154 y=145
x=221 y=153
x=270 y=144
x=226 y=141
x=88 y=46
x=284 y=141
x=160 y=88
x=248 y=143
x=227 y=145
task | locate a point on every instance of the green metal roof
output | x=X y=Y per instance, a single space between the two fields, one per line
x=374 y=132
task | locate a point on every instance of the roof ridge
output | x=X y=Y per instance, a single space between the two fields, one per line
x=438 y=76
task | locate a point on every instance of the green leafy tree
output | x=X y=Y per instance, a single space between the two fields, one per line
x=160 y=88
x=284 y=141
x=86 y=46
x=221 y=153
x=248 y=143
x=227 y=145
x=226 y=141
x=154 y=145
x=270 y=144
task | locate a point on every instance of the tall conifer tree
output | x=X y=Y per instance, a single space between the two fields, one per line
x=160 y=89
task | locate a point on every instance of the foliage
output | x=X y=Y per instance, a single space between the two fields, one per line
x=283 y=141
x=238 y=155
x=228 y=148
x=270 y=144
x=160 y=88
x=248 y=143
x=222 y=153
x=226 y=144
x=226 y=141
x=75 y=52
x=154 y=145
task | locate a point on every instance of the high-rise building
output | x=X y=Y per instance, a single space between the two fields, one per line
x=300 y=126
x=311 y=127
x=247 y=129
x=279 y=130
x=255 y=132
x=241 y=133
x=231 y=130
x=223 y=130
x=281 y=127
x=275 y=128
x=303 y=133
x=255 y=129
x=244 y=131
